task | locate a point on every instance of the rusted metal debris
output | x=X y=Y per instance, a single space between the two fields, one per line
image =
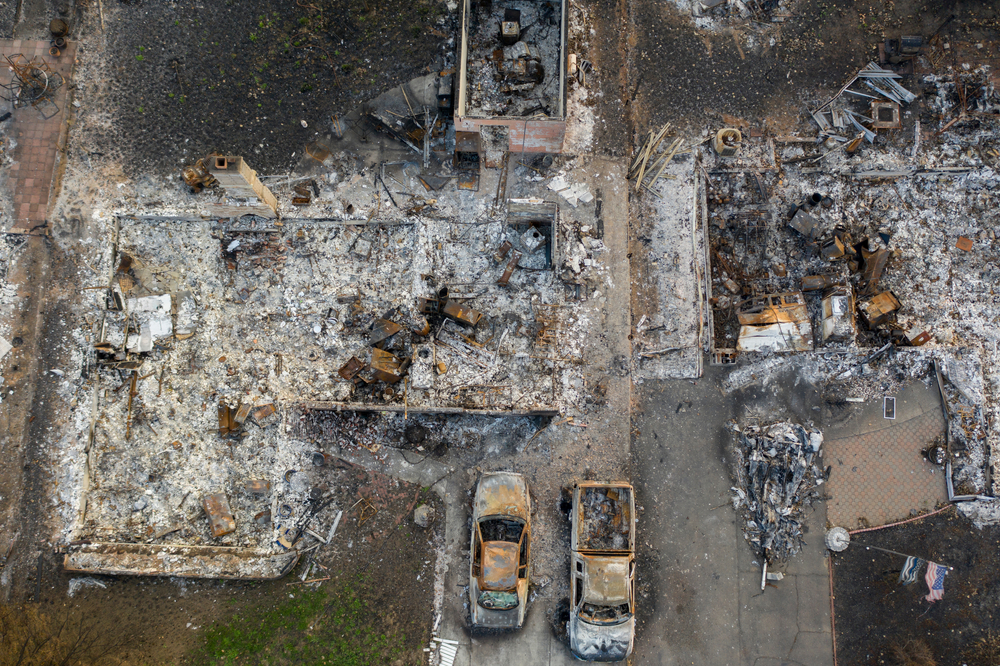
x=367 y=510
x=383 y=329
x=833 y=249
x=220 y=516
x=502 y=251
x=242 y=412
x=877 y=309
x=264 y=414
x=779 y=322
x=386 y=367
x=197 y=176
x=874 y=263
x=351 y=369
x=509 y=270
x=257 y=486
x=227 y=424
x=428 y=305
x=461 y=313
x=917 y=337
x=817 y=282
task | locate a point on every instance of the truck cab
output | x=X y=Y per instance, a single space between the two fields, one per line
x=602 y=571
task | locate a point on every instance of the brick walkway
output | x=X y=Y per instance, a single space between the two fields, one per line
x=38 y=139
x=881 y=476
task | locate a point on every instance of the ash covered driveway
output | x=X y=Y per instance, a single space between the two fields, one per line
x=698 y=587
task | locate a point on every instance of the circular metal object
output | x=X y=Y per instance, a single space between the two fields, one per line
x=34 y=85
x=937 y=454
x=837 y=539
x=285 y=511
x=54 y=52
x=289 y=474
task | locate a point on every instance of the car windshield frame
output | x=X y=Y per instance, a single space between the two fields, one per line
x=515 y=524
x=499 y=596
x=589 y=613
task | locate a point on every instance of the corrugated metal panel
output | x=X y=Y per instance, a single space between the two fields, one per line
x=446 y=651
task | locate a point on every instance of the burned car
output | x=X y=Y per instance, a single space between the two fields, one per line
x=602 y=572
x=501 y=551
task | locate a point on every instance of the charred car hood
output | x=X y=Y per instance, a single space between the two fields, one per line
x=607 y=579
x=592 y=642
x=502 y=494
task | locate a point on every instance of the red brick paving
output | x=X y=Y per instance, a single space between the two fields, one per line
x=881 y=476
x=38 y=139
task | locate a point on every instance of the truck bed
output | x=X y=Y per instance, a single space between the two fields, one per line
x=604 y=520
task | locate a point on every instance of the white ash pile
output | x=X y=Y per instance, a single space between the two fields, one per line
x=777 y=476
x=967 y=442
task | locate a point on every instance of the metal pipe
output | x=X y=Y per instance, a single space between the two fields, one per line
x=896 y=552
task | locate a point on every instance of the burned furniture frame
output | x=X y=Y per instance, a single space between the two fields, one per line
x=527 y=134
x=33 y=83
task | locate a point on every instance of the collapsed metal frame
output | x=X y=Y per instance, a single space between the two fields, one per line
x=33 y=84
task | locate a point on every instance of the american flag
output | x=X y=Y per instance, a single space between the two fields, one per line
x=935 y=581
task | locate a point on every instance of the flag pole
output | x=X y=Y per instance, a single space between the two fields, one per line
x=896 y=552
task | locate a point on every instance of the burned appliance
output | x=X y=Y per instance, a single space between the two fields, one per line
x=510 y=27
x=778 y=322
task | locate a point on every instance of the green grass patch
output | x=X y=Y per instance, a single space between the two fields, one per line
x=317 y=627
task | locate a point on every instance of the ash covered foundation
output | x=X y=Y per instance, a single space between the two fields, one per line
x=859 y=255
x=512 y=74
x=233 y=354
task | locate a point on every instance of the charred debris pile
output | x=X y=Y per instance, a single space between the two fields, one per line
x=744 y=12
x=607 y=521
x=777 y=474
x=816 y=241
x=517 y=75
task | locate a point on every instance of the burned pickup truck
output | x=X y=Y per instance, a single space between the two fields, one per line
x=602 y=572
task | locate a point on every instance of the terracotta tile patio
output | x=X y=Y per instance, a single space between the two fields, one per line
x=39 y=139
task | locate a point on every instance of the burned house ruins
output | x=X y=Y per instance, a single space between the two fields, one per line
x=512 y=76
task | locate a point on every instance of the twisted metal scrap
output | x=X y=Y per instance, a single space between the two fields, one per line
x=777 y=477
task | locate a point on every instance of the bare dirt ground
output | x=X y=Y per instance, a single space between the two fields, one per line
x=378 y=558
x=878 y=619
x=188 y=78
